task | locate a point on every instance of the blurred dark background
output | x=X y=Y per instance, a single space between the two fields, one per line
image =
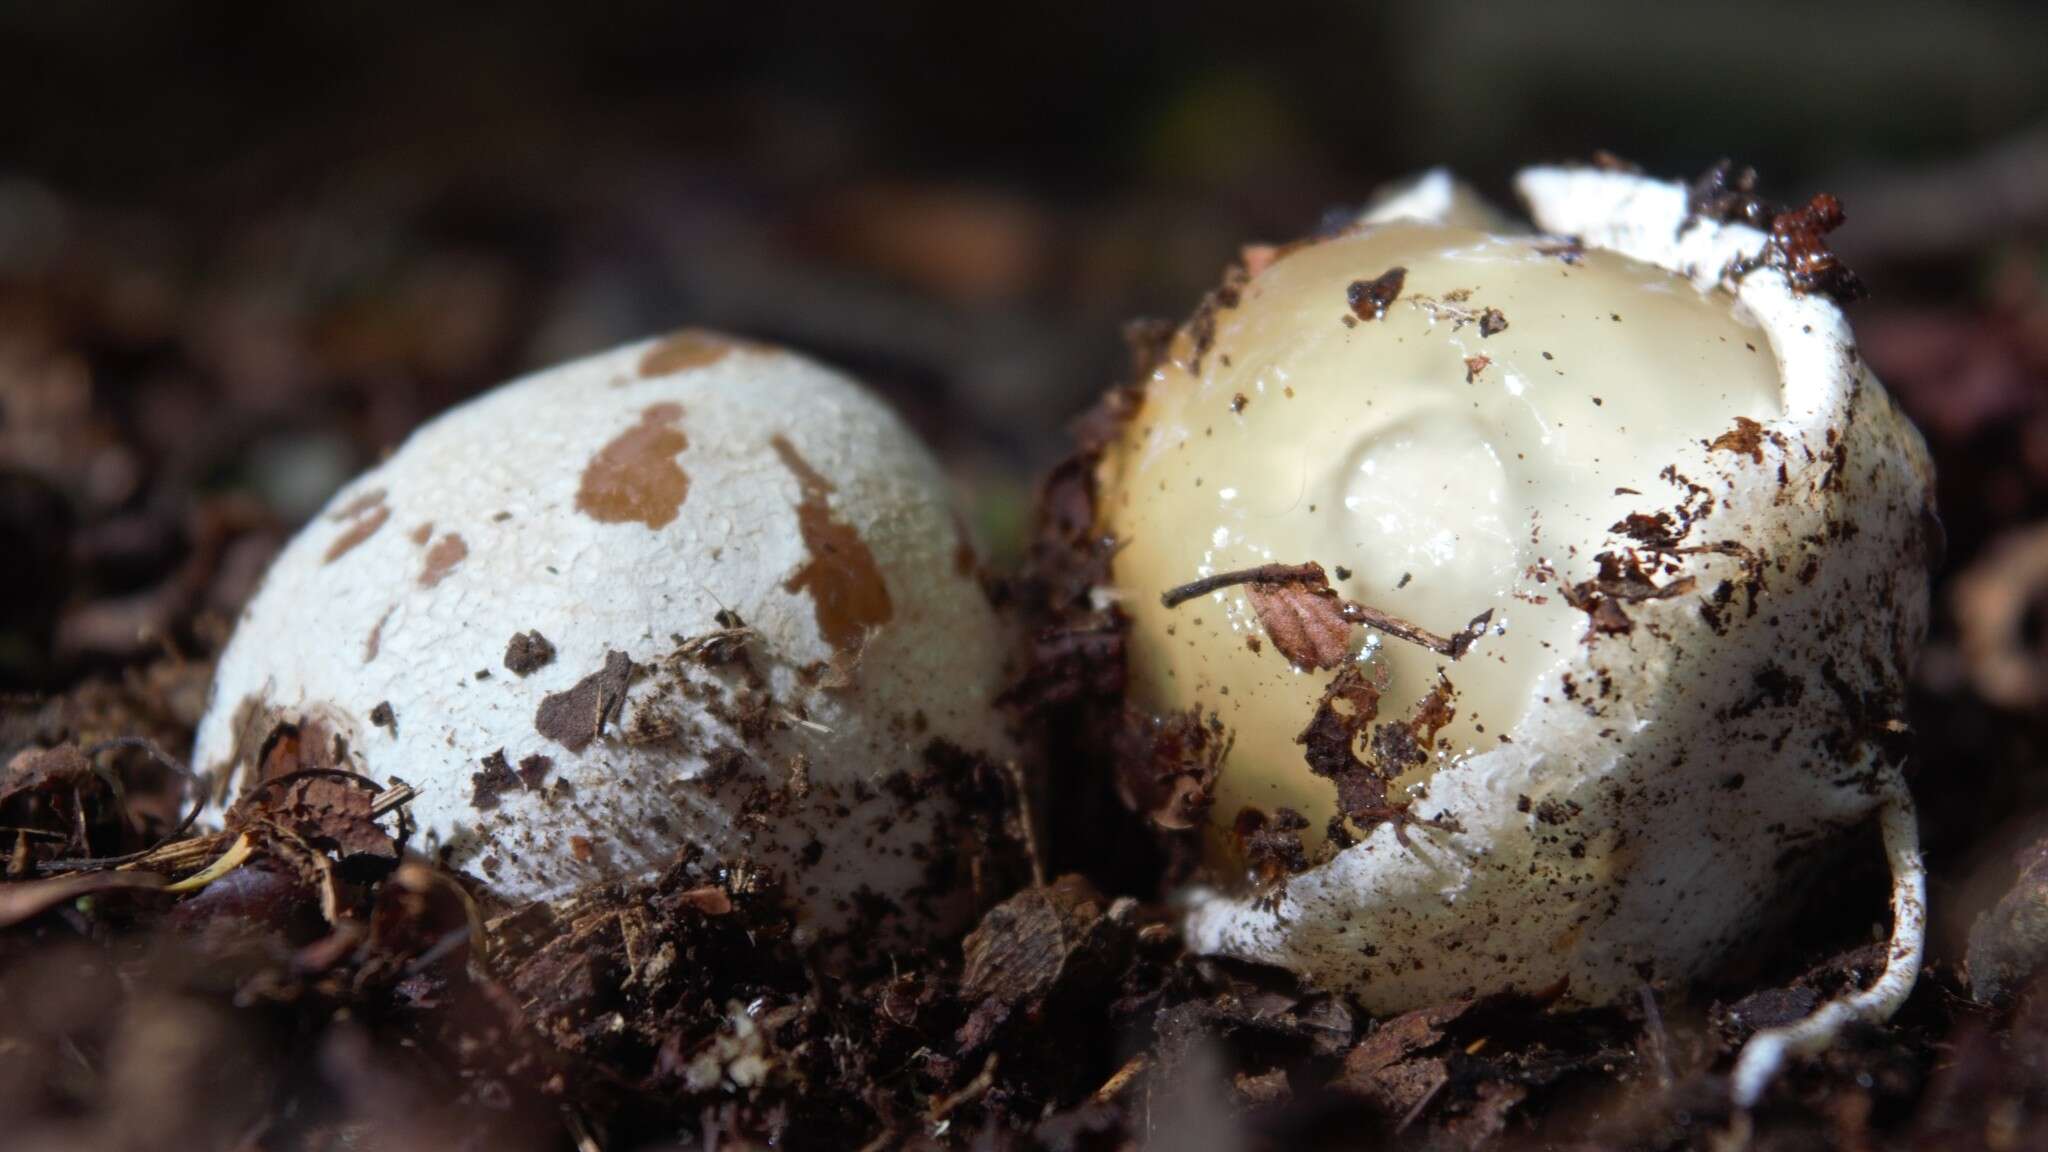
x=245 y=247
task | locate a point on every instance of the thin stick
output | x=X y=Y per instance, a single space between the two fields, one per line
x=973 y=1091
x=1453 y=646
x=1263 y=574
x=1765 y=1054
x=392 y=797
x=1121 y=1079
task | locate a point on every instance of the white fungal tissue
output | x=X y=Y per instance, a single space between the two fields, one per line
x=689 y=595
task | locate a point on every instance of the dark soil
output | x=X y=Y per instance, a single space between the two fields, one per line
x=161 y=424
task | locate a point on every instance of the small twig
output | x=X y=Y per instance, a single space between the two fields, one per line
x=230 y=860
x=1029 y=829
x=185 y=825
x=356 y=778
x=974 y=1089
x=395 y=796
x=1422 y=1105
x=579 y=1131
x=1453 y=646
x=113 y=779
x=1122 y=1077
x=157 y=754
x=1263 y=574
x=1660 y=1041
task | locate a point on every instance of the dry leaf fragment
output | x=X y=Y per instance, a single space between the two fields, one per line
x=1305 y=620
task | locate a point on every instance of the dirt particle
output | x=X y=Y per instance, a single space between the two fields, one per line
x=1622 y=579
x=635 y=478
x=578 y=716
x=383 y=717
x=1369 y=298
x=1492 y=321
x=487 y=786
x=447 y=552
x=1271 y=848
x=1474 y=365
x=845 y=584
x=533 y=770
x=1727 y=194
x=1799 y=246
x=528 y=652
x=1745 y=439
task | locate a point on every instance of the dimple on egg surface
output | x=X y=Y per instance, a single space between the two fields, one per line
x=1439 y=452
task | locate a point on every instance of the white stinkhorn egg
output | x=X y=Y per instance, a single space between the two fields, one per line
x=694 y=594
x=1626 y=560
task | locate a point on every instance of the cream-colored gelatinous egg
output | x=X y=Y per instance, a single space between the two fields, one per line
x=1486 y=429
x=695 y=594
x=1699 y=526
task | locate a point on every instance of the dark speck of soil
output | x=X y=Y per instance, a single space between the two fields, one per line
x=533 y=770
x=1492 y=321
x=576 y=717
x=635 y=477
x=841 y=575
x=1745 y=439
x=1369 y=298
x=528 y=652
x=486 y=786
x=383 y=717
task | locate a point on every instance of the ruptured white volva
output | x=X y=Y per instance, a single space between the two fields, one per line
x=694 y=594
x=1555 y=587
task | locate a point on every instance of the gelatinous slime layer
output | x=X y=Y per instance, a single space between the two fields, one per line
x=1438 y=452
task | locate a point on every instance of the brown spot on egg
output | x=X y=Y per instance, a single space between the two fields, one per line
x=363 y=515
x=842 y=577
x=683 y=351
x=447 y=552
x=376 y=638
x=634 y=477
x=357 y=506
x=965 y=563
